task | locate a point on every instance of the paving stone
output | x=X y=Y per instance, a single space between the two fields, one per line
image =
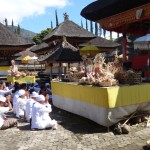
x=75 y=133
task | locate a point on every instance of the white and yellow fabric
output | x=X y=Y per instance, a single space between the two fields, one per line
x=26 y=79
x=25 y=59
x=105 y=106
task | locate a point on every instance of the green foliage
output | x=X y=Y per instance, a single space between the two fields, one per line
x=57 y=23
x=51 y=25
x=6 y=22
x=18 y=29
x=12 y=24
x=100 y=30
x=111 y=36
x=81 y=23
x=38 y=38
x=104 y=33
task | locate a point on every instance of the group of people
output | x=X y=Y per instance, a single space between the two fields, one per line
x=27 y=101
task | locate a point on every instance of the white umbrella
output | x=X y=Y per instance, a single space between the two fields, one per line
x=32 y=60
x=145 y=38
x=142 y=43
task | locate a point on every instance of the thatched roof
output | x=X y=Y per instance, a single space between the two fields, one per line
x=101 y=43
x=65 y=52
x=69 y=29
x=40 y=47
x=60 y=54
x=11 y=39
x=105 y=8
x=25 y=53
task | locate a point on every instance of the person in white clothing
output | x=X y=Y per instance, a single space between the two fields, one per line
x=40 y=115
x=29 y=105
x=21 y=104
x=15 y=97
x=5 y=122
x=2 y=91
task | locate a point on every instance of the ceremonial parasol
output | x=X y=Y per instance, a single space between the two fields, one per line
x=89 y=50
x=25 y=59
x=142 y=43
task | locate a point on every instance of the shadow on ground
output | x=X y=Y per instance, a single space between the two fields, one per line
x=76 y=123
x=67 y=120
x=146 y=147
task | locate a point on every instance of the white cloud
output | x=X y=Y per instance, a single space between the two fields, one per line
x=19 y=9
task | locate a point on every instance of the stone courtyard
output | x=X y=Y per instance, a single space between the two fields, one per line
x=73 y=133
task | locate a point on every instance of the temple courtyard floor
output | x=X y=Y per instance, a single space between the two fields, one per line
x=73 y=133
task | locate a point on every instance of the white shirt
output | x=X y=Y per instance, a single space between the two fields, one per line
x=6 y=89
x=40 y=115
x=15 y=97
x=3 y=92
x=20 y=107
x=14 y=68
x=28 y=109
x=2 y=111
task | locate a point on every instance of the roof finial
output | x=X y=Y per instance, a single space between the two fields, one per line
x=66 y=16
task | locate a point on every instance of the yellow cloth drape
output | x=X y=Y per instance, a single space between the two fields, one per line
x=26 y=79
x=110 y=97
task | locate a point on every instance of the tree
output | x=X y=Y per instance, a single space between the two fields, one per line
x=81 y=23
x=100 y=30
x=51 y=25
x=117 y=35
x=86 y=25
x=6 y=22
x=96 y=29
x=104 y=33
x=57 y=23
x=12 y=24
x=38 y=38
x=18 y=29
x=111 y=35
x=91 y=26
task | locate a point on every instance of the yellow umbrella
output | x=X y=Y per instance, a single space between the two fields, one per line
x=89 y=50
x=25 y=59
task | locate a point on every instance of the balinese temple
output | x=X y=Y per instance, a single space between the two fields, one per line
x=24 y=54
x=99 y=45
x=123 y=16
x=10 y=44
x=64 y=54
x=41 y=49
x=73 y=33
x=63 y=44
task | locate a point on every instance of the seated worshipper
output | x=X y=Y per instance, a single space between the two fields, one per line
x=9 y=98
x=29 y=105
x=2 y=91
x=40 y=115
x=14 y=70
x=5 y=86
x=5 y=122
x=15 y=97
x=48 y=91
x=36 y=87
x=21 y=104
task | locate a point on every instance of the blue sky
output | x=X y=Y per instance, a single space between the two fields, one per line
x=40 y=22
x=36 y=15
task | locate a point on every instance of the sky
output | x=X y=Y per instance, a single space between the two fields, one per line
x=36 y=15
